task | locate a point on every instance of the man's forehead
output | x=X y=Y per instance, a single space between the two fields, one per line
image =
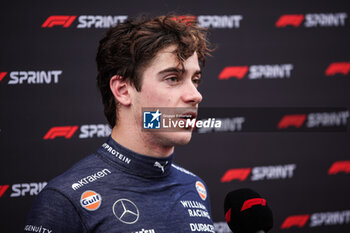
x=168 y=53
x=168 y=57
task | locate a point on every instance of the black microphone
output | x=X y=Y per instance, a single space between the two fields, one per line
x=247 y=212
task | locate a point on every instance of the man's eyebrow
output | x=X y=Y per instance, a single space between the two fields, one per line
x=177 y=70
x=171 y=69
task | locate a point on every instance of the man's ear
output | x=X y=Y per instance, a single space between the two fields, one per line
x=120 y=89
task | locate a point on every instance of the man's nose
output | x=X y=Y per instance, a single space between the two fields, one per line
x=191 y=94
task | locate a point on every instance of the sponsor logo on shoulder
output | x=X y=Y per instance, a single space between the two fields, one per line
x=145 y=231
x=91 y=178
x=202 y=192
x=115 y=153
x=182 y=170
x=40 y=229
x=90 y=200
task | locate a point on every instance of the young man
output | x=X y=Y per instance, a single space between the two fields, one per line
x=130 y=184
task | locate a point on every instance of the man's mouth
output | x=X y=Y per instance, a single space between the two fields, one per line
x=187 y=115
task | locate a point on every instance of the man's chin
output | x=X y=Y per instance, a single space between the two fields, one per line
x=179 y=138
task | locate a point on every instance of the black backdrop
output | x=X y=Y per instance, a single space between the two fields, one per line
x=298 y=52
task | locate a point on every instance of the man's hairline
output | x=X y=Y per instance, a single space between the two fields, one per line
x=198 y=71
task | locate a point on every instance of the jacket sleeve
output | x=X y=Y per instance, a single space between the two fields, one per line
x=52 y=212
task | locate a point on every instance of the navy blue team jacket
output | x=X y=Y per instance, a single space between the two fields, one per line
x=117 y=190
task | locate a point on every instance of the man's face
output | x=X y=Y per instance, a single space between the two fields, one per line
x=167 y=83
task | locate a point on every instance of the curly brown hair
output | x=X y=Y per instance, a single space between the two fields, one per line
x=129 y=47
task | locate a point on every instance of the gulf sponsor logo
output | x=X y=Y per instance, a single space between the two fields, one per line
x=259 y=173
x=202 y=192
x=256 y=72
x=90 y=200
x=312 y=20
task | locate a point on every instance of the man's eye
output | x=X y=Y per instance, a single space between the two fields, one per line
x=172 y=79
x=196 y=81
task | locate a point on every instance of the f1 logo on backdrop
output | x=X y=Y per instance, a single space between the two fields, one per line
x=2 y=75
x=290 y=20
x=84 y=21
x=295 y=220
x=335 y=68
x=61 y=131
x=315 y=120
x=257 y=72
x=59 y=20
x=106 y=21
x=317 y=219
x=21 y=190
x=259 y=173
x=312 y=20
x=32 y=77
x=212 y=21
x=3 y=189
x=293 y=120
x=339 y=166
x=86 y=131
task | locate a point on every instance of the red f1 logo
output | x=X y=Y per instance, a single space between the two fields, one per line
x=239 y=174
x=3 y=189
x=62 y=131
x=58 y=20
x=296 y=220
x=296 y=120
x=228 y=216
x=2 y=75
x=186 y=19
x=339 y=166
x=233 y=72
x=338 y=68
x=293 y=20
x=254 y=201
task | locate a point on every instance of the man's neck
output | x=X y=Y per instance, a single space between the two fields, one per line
x=134 y=140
